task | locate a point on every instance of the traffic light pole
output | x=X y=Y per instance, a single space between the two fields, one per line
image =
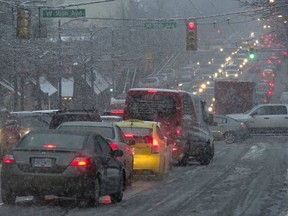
x=59 y=65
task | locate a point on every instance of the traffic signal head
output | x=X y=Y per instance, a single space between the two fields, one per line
x=23 y=23
x=251 y=53
x=191 y=35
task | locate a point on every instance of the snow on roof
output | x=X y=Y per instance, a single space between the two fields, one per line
x=100 y=83
x=46 y=86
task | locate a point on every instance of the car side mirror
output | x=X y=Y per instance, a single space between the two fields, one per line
x=117 y=153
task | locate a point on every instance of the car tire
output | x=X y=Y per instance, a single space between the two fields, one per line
x=118 y=196
x=230 y=137
x=8 y=196
x=91 y=198
x=208 y=154
x=184 y=161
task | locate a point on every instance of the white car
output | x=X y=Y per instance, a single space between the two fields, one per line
x=284 y=98
x=265 y=118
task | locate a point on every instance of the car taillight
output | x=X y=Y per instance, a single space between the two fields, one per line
x=80 y=162
x=154 y=145
x=128 y=136
x=174 y=149
x=269 y=93
x=242 y=125
x=49 y=146
x=117 y=112
x=178 y=131
x=8 y=159
x=113 y=146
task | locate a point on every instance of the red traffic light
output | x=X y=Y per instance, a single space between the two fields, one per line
x=191 y=26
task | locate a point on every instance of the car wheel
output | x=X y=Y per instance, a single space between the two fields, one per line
x=208 y=154
x=8 y=196
x=117 y=197
x=230 y=137
x=184 y=160
x=92 y=197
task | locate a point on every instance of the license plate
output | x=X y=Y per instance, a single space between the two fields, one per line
x=42 y=162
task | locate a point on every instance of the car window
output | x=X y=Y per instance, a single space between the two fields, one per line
x=120 y=134
x=97 y=149
x=279 y=110
x=61 y=141
x=147 y=106
x=265 y=110
x=220 y=120
x=138 y=134
x=106 y=132
x=105 y=147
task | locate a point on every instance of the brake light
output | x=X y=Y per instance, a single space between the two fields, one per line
x=49 y=146
x=128 y=136
x=178 y=131
x=154 y=145
x=269 y=93
x=152 y=91
x=113 y=146
x=80 y=162
x=117 y=112
x=8 y=159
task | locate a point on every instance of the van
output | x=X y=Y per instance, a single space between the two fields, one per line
x=175 y=110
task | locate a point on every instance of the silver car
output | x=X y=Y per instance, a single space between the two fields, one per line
x=228 y=129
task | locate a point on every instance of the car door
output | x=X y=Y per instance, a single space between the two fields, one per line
x=217 y=128
x=261 y=119
x=111 y=166
x=279 y=117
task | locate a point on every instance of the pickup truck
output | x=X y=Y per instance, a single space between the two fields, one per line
x=265 y=118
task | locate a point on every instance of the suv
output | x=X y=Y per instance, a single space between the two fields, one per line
x=177 y=112
x=73 y=115
x=265 y=118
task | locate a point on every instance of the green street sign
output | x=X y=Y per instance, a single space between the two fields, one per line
x=160 y=25
x=71 y=13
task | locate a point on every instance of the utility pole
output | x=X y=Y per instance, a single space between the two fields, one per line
x=60 y=66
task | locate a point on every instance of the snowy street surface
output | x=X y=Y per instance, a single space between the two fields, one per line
x=243 y=179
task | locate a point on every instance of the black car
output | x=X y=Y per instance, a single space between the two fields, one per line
x=74 y=115
x=79 y=165
x=31 y=121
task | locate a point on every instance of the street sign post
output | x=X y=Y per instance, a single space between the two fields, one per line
x=160 y=25
x=70 y=13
